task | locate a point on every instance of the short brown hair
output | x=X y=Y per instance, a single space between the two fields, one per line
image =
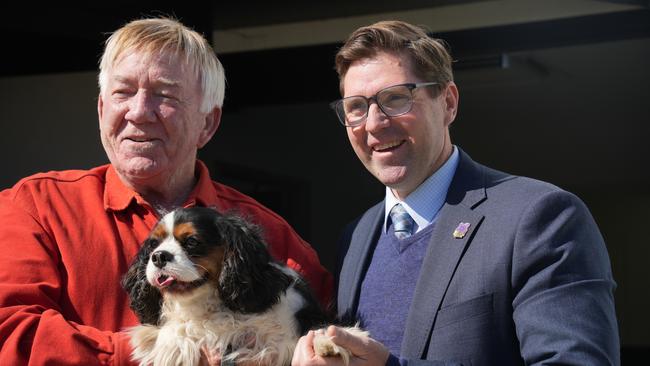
x=429 y=57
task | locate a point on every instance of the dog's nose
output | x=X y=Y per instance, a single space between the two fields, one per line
x=161 y=257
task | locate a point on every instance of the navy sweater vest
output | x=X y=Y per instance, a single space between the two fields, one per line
x=387 y=289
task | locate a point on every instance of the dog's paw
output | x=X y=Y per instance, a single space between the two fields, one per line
x=324 y=347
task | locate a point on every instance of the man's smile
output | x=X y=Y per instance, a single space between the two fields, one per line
x=389 y=146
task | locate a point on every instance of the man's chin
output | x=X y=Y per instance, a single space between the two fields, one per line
x=393 y=176
x=137 y=169
x=398 y=180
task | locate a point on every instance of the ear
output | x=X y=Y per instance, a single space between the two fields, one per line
x=248 y=283
x=100 y=107
x=212 y=122
x=145 y=299
x=451 y=99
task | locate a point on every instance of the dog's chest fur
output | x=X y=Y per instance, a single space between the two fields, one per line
x=203 y=322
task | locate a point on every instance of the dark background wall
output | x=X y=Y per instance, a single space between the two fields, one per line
x=561 y=98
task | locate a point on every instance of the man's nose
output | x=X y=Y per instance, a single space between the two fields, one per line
x=376 y=118
x=161 y=257
x=141 y=108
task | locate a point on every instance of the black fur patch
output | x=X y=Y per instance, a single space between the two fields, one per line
x=248 y=283
x=145 y=299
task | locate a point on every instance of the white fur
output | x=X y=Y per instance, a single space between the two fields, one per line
x=286 y=270
x=181 y=268
x=202 y=322
x=194 y=322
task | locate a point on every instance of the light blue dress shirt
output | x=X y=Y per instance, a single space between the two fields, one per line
x=425 y=202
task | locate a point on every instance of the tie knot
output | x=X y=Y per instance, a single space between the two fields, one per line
x=402 y=222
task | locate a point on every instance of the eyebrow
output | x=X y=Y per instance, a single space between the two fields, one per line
x=165 y=82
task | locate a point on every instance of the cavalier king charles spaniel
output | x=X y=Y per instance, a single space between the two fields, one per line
x=205 y=282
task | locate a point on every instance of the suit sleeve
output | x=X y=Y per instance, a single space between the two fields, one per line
x=32 y=328
x=563 y=307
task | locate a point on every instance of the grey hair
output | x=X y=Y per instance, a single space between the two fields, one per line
x=156 y=35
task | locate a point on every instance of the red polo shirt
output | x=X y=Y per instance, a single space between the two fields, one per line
x=66 y=240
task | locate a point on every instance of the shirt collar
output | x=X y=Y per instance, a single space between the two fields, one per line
x=118 y=197
x=204 y=193
x=425 y=202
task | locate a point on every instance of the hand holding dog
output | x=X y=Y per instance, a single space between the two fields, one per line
x=212 y=358
x=365 y=350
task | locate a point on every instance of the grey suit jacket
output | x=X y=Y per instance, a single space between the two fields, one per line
x=529 y=283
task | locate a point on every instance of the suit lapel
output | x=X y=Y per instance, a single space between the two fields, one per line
x=364 y=236
x=444 y=253
x=438 y=267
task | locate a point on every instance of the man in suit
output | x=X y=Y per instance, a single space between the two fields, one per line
x=460 y=264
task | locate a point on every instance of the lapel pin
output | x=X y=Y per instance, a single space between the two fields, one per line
x=461 y=230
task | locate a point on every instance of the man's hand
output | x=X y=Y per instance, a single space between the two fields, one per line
x=209 y=358
x=365 y=351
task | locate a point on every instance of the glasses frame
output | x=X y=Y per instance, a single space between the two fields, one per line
x=337 y=104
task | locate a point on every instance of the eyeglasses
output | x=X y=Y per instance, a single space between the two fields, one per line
x=394 y=101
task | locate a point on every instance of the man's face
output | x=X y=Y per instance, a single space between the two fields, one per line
x=400 y=151
x=149 y=118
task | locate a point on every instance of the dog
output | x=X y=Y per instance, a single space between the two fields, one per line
x=205 y=282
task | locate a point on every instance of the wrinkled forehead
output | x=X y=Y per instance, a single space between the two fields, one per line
x=163 y=69
x=367 y=76
x=164 y=57
x=375 y=65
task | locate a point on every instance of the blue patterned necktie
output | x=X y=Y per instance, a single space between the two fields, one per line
x=402 y=222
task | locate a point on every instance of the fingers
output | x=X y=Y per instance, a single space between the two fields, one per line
x=209 y=358
x=343 y=338
x=304 y=352
x=305 y=355
x=362 y=347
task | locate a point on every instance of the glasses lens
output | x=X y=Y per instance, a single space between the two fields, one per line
x=395 y=100
x=354 y=109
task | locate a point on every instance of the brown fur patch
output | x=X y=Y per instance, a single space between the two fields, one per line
x=159 y=232
x=182 y=231
x=213 y=262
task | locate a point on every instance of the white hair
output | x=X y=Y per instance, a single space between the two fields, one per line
x=163 y=34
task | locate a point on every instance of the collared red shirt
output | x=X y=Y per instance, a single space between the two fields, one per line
x=425 y=202
x=67 y=239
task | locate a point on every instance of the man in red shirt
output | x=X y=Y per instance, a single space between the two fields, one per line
x=68 y=237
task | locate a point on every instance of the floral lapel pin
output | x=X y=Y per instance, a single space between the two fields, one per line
x=461 y=230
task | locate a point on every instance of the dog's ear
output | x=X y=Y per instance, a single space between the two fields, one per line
x=249 y=282
x=145 y=299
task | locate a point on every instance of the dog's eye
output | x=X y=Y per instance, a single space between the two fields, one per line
x=191 y=241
